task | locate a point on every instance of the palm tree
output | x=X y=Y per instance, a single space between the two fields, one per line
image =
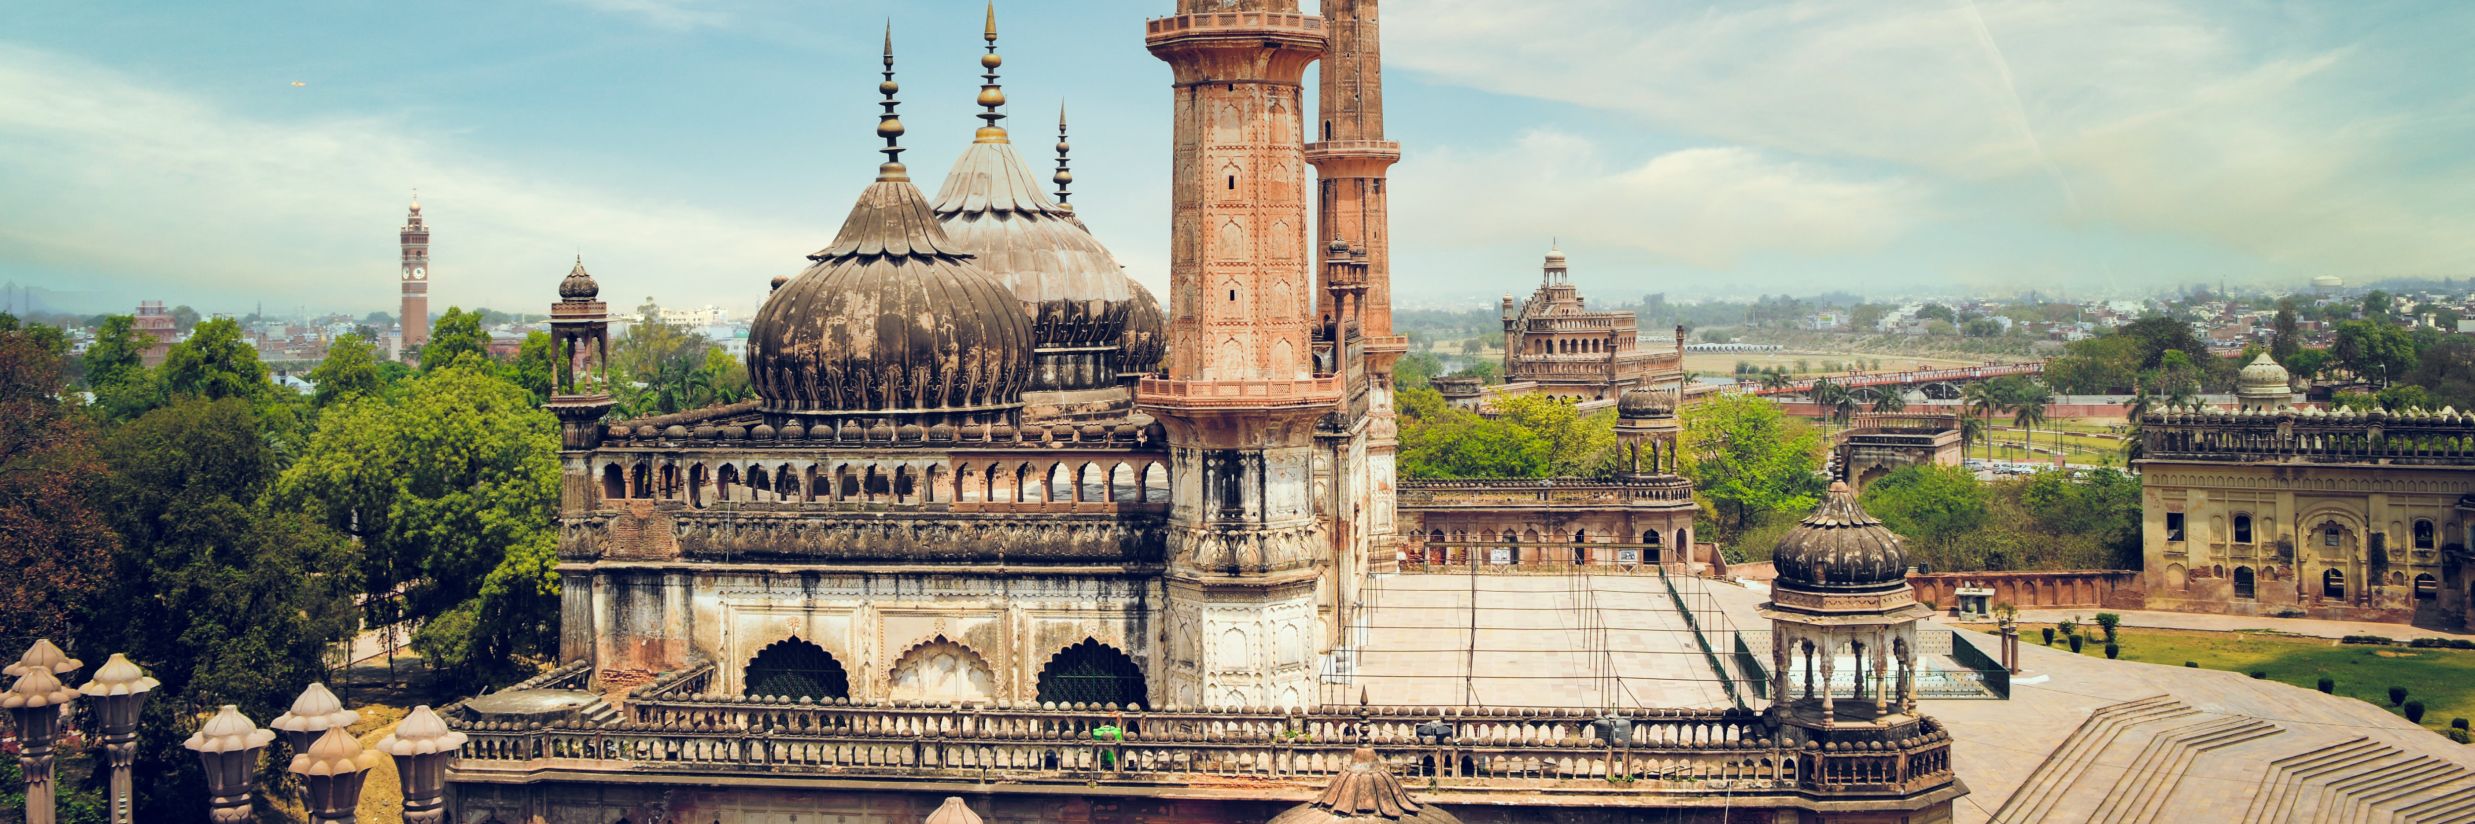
x=1889 y=399
x=1982 y=401
x=1775 y=379
x=2028 y=409
x=1971 y=428
x=1835 y=400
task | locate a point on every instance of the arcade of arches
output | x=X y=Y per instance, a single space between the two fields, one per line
x=941 y=670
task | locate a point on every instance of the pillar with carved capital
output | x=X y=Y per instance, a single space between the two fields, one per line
x=1881 y=674
x=119 y=688
x=1830 y=658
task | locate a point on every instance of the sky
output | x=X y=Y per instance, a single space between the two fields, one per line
x=229 y=155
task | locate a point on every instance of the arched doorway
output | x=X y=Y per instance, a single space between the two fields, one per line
x=2333 y=584
x=2243 y=585
x=945 y=672
x=1091 y=673
x=792 y=668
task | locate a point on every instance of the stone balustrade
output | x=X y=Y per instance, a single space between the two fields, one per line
x=1533 y=492
x=2309 y=435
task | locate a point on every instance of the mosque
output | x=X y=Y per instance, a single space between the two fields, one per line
x=999 y=515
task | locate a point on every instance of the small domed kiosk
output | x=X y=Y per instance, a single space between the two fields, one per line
x=1842 y=588
x=2264 y=385
x=1365 y=792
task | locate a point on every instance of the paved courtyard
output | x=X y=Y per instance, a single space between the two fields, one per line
x=1530 y=640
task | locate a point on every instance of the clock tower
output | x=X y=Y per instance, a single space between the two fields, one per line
x=415 y=314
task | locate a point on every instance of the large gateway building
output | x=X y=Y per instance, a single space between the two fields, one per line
x=1000 y=524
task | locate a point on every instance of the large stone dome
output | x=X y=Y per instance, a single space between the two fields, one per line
x=1840 y=548
x=1075 y=295
x=1645 y=403
x=892 y=321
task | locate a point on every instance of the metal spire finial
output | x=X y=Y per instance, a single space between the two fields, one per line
x=889 y=125
x=992 y=97
x=1064 y=176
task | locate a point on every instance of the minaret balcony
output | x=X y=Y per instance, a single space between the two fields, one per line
x=1318 y=391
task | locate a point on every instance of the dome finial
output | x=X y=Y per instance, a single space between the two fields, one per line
x=889 y=125
x=991 y=96
x=1064 y=176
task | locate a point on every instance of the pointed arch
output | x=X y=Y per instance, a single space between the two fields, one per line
x=795 y=668
x=1155 y=483
x=614 y=482
x=1091 y=672
x=944 y=671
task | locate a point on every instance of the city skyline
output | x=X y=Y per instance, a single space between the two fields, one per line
x=1688 y=151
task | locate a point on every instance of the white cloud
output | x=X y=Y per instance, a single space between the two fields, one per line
x=112 y=179
x=2221 y=126
x=1707 y=208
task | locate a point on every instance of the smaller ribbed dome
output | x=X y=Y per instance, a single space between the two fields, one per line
x=1839 y=547
x=578 y=285
x=1145 y=341
x=2264 y=373
x=1365 y=791
x=1645 y=403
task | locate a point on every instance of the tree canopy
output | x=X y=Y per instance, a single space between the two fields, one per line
x=349 y=371
x=457 y=336
x=1749 y=460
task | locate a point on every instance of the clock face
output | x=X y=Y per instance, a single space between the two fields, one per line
x=419 y=272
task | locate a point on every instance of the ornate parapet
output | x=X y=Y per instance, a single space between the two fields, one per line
x=1123 y=534
x=1535 y=493
x=2309 y=436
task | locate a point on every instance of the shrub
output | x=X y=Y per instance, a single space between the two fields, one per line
x=2192 y=664
x=2460 y=736
x=2288 y=612
x=2109 y=622
x=2414 y=711
x=2397 y=695
x=2068 y=627
x=2328 y=684
x=2373 y=640
x=2457 y=723
x=2260 y=675
x=2049 y=636
x=2442 y=643
x=2113 y=650
x=2077 y=642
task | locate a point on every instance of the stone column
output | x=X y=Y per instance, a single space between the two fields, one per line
x=1830 y=663
x=34 y=704
x=228 y=747
x=119 y=688
x=422 y=746
x=1881 y=674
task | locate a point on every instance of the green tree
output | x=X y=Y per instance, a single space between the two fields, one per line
x=450 y=486
x=2376 y=351
x=223 y=598
x=655 y=364
x=537 y=366
x=2103 y=505
x=2286 y=332
x=720 y=379
x=216 y=362
x=1890 y=399
x=457 y=336
x=118 y=351
x=2446 y=369
x=2026 y=401
x=1416 y=369
x=1929 y=503
x=1749 y=460
x=184 y=318
x=349 y=371
x=1578 y=445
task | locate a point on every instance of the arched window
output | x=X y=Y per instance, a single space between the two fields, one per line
x=1581 y=554
x=2242 y=528
x=2333 y=584
x=2426 y=588
x=2243 y=584
x=792 y=668
x=1091 y=673
x=2423 y=534
x=945 y=672
x=2331 y=534
x=614 y=482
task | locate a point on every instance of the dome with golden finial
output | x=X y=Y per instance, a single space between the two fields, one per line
x=893 y=321
x=1072 y=289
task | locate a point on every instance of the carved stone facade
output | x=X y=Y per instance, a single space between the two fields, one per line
x=1554 y=345
x=1879 y=443
x=2334 y=515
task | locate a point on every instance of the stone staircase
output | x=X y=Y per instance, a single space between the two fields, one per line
x=2362 y=780
x=2141 y=793
x=2036 y=799
x=599 y=713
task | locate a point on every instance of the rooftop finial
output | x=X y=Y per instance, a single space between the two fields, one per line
x=992 y=97
x=889 y=125
x=1064 y=176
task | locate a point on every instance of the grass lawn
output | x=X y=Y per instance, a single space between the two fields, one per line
x=2443 y=679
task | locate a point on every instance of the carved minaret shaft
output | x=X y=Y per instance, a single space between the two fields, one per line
x=1351 y=156
x=1240 y=400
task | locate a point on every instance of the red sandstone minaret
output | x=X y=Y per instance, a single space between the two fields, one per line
x=1351 y=156
x=1241 y=398
x=415 y=312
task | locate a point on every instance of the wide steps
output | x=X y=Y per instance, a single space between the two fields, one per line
x=2362 y=780
x=2047 y=786
x=2140 y=794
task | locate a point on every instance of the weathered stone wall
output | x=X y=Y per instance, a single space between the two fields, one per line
x=2105 y=588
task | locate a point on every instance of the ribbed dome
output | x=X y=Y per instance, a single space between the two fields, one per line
x=1645 y=403
x=1839 y=547
x=2264 y=373
x=892 y=321
x=1145 y=342
x=1072 y=289
x=578 y=285
x=1365 y=791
